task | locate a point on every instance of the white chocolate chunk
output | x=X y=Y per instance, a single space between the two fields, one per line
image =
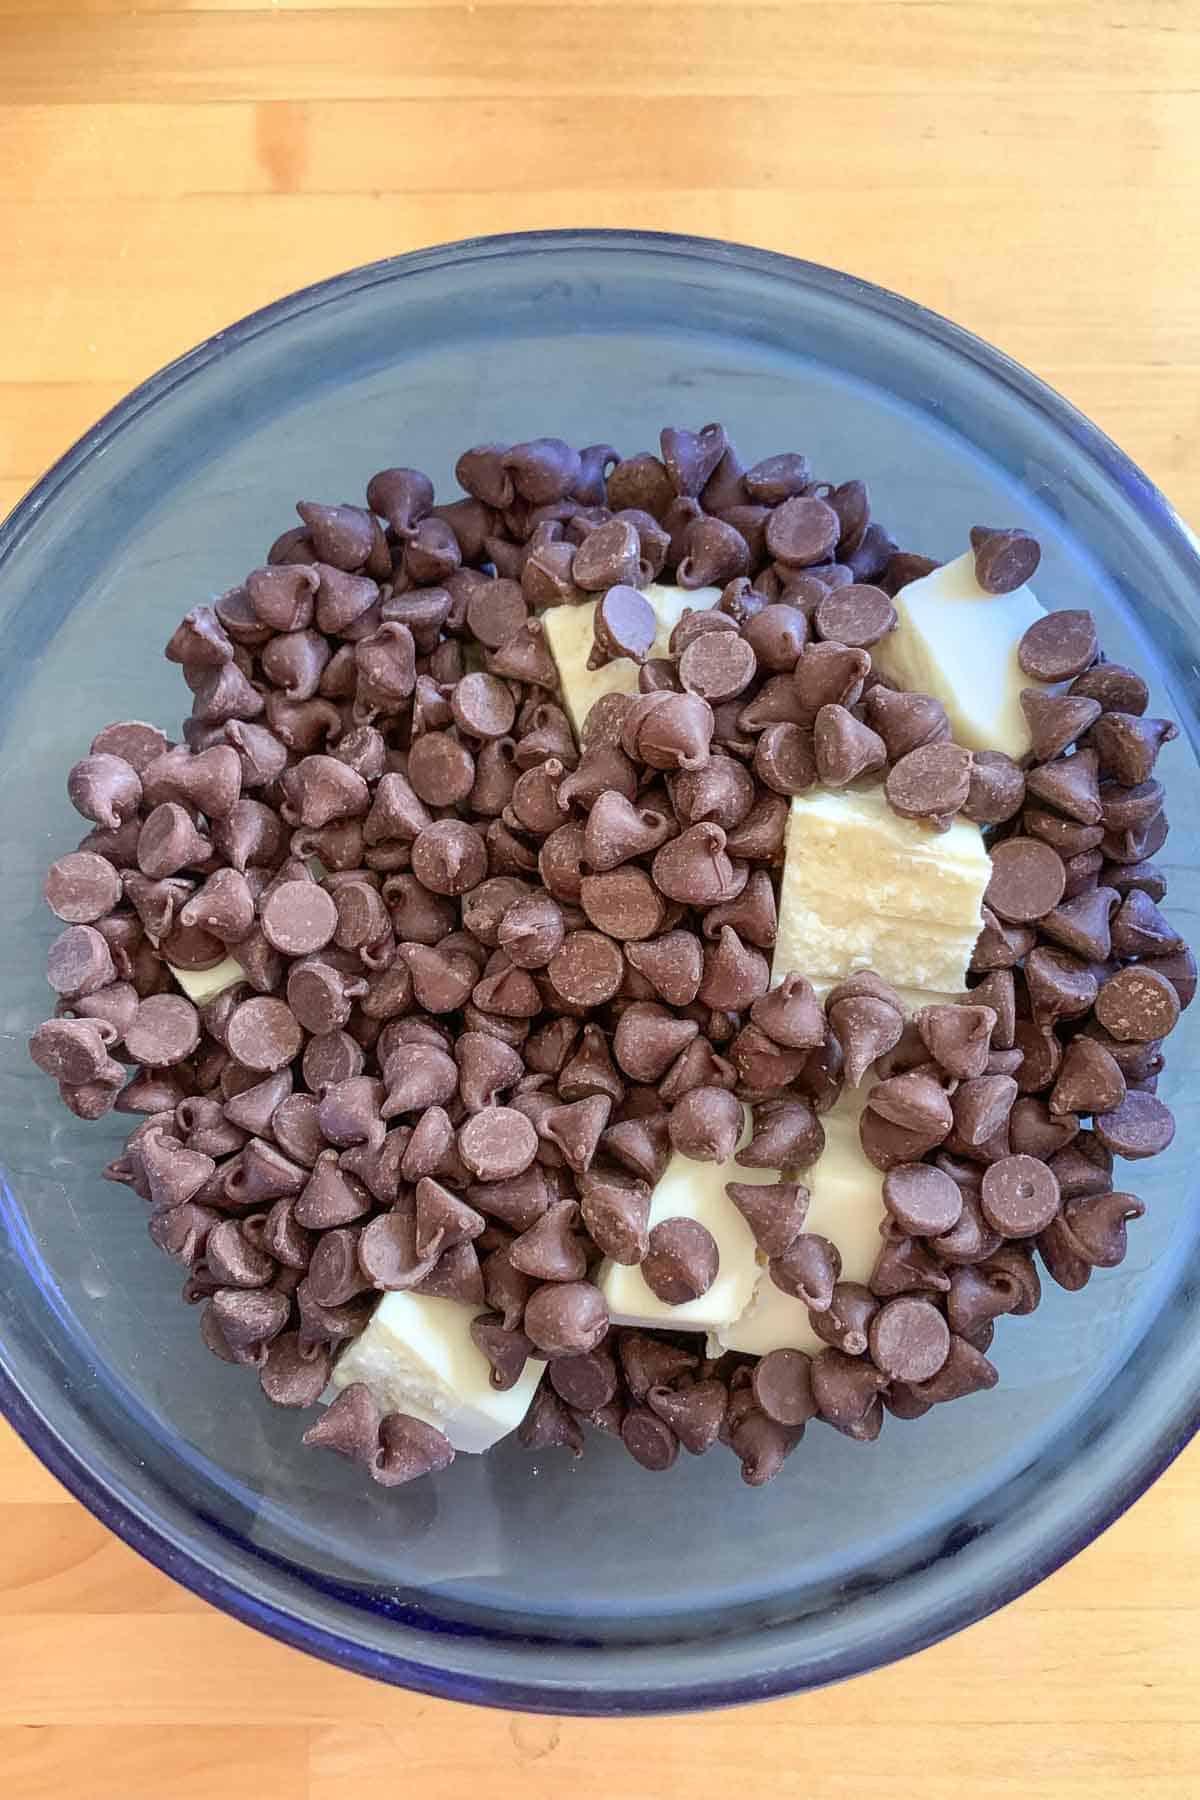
x=693 y=1190
x=417 y=1356
x=863 y=888
x=203 y=985
x=569 y=635
x=959 y=643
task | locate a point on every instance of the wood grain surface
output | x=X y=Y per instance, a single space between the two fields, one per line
x=1030 y=169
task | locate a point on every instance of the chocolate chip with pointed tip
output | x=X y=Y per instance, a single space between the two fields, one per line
x=808 y=1270
x=1004 y=559
x=774 y=1211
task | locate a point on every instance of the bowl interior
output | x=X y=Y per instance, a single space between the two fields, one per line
x=539 y=1580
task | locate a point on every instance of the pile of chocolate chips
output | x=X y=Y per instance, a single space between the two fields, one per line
x=458 y=1062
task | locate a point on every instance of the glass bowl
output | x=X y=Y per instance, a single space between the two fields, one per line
x=535 y=1581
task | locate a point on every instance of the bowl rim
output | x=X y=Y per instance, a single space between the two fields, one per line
x=182 y=1564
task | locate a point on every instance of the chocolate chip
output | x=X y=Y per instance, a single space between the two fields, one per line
x=808 y=1270
x=1019 y=1196
x=164 y=1030
x=706 y=1124
x=586 y=1382
x=681 y=1261
x=298 y=918
x=778 y=478
x=775 y=1212
x=1004 y=559
x=905 y=1264
x=576 y=1128
x=587 y=969
x=787 y=1134
x=1117 y=689
x=858 y=615
x=844 y=748
x=915 y=1102
x=617 y=831
x=350 y=1425
x=82 y=887
x=441 y=769
x=624 y=622
x=694 y=867
x=910 y=1340
x=567 y=1318
x=1056 y=720
x=966 y=1371
x=784 y=759
x=1070 y=784
x=292 y=1375
x=931 y=782
x=1180 y=971
x=169 y=841
x=826 y=674
x=845 y=1388
x=714 y=551
x=923 y=1200
x=905 y=721
x=981 y=1106
x=264 y=1033
x=105 y=789
x=1081 y=924
x=695 y=1414
x=668 y=731
x=1027 y=880
x=498 y=1144
x=1141 y=1126
x=624 y=903
x=1137 y=1005
x=802 y=531
x=616 y=1211
x=957 y=1037
x=1095 y=1225
x=717 y=665
x=137 y=743
x=867 y=1027
x=75 y=1051
x=996 y=790
x=1128 y=746
x=1059 y=646
x=408 y=1449
x=791 y=1014
x=649 y=1439
x=782 y=1386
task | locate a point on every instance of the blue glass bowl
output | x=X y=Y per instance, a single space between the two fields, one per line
x=539 y=1582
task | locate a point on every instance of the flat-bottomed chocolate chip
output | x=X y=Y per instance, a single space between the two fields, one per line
x=923 y=1200
x=1137 y=1005
x=263 y=1034
x=498 y=1144
x=1027 y=880
x=858 y=615
x=931 y=782
x=910 y=1340
x=1019 y=1196
x=587 y=969
x=1060 y=646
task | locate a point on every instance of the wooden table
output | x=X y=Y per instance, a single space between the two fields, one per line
x=1030 y=167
